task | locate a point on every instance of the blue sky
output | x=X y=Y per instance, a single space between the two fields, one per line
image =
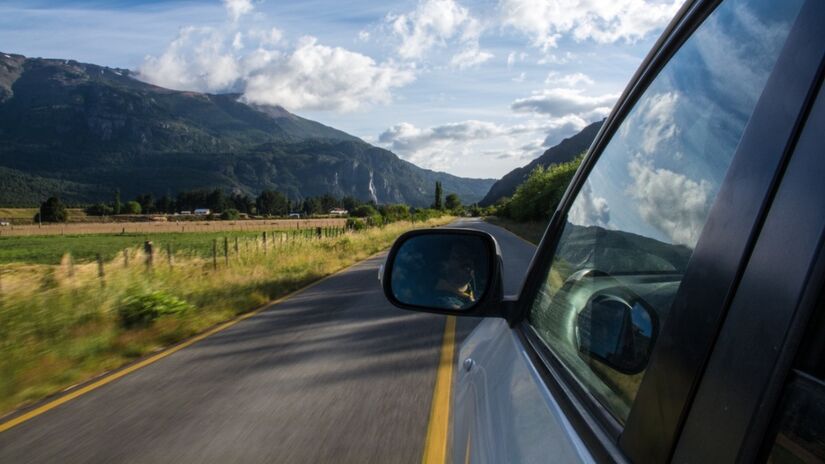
x=474 y=89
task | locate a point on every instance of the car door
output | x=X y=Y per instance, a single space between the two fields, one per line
x=630 y=284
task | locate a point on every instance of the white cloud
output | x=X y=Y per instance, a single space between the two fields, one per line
x=455 y=144
x=319 y=77
x=437 y=23
x=668 y=201
x=654 y=121
x=604 y=21
x=309 y=76
x=363 y=36
x=512 y=57
x=469 y=57
x=565 y=101
x=589 y=209
x=568 y=80
x=237 y=8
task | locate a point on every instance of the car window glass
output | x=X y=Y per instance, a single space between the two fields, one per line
x=634 y=223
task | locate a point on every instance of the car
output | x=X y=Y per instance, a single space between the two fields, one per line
x=674 y=309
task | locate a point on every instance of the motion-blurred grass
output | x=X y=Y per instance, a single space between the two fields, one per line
x=59 y=324
x=46 y=249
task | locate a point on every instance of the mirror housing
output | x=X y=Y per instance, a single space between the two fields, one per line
x=617 y=329
x=445 y=271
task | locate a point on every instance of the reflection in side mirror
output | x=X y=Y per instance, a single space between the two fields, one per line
x=617 y=333
x=445 y=270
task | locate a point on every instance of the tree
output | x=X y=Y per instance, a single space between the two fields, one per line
x=242 y=202
x=452 y=202
x=147 y=202
x=216 y=200
x=117 y=205
x=133 y=207
x=100 y=209
x=438 y=192
x=165 y=204
x=52 y=210
x=364 y=211
x=230 y=214
x=272 y=203
x=350 y=203
x=312 y=205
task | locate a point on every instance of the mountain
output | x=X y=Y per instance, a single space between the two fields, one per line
x=565 y=151
x=81 y=131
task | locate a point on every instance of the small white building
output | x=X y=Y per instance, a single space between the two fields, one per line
x=202 y=212
x=338 y=212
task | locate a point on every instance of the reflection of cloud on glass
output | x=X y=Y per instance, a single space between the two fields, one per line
x=668 y=201
x=653 y=120
x=589 y=209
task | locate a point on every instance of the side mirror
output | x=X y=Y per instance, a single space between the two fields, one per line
x=445 y=271
x=617 y=331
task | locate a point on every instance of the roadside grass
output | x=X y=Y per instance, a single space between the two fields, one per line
x=63 y=323
x=532 y=231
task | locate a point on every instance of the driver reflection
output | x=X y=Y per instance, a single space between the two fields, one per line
x=455 y=287
x=440 y=272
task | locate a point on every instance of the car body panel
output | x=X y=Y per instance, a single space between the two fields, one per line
x=503 y=412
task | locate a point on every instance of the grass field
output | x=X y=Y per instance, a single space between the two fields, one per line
x=84 y=248
x=63 y=323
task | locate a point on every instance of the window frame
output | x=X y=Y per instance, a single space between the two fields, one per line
x=645 y=436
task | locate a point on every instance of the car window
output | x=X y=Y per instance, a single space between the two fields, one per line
x=797 y=434
x=634 y=223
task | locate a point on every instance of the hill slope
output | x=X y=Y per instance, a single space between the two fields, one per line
x=565 y=151
x=81 y=131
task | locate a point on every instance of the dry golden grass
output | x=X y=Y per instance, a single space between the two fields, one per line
x=60 y=323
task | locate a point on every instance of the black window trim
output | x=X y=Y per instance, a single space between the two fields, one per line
x=640 y=440
x=780 y=317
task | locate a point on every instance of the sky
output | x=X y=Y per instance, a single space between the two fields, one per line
x=475 y=89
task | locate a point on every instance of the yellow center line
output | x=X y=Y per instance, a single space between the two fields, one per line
x=108 y=378
x=435 y=445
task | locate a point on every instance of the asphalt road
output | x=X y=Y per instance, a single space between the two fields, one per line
x=332 y=374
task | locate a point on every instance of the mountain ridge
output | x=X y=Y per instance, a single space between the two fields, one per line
x=96 y=129
x=562 y=152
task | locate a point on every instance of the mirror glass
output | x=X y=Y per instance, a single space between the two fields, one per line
x=441 y=271
x=616 y=333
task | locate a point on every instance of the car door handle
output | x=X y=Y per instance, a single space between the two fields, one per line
x=468 y=364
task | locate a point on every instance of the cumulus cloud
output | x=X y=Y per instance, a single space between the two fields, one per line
x=437 y=23
x=568 y=80
x=604 y=21
x=237 y=8
x=566 y=101
x=671 y=202
x=319 y=77
x=449 y=145
x=310 y=75
x=589 y=209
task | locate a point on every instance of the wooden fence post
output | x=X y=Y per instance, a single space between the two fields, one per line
x=100 y=272
x=237 y=251
x=125 y=257
x=169 y=256
x=226 y=251
x=264 y=242
x=150 y=252
x=214 y=254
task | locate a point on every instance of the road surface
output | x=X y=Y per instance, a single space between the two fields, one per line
x=332 y=374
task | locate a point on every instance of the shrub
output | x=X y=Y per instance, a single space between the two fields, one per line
x=133 y=207
x=52 y=210
x=230 y=215
x=355 y=224
x=538 y=196
x=393 y=212
x=364 y=211
x=100 y=209
x=143 y=308
x=452 y=202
